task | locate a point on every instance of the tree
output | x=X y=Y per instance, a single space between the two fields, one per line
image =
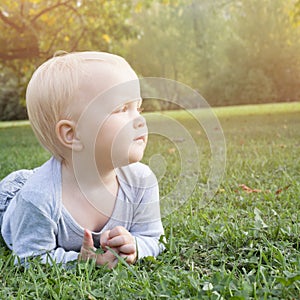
x=10 y=107
x=262 y=62
x=36 y=28
x=180 y=41
x=231 y=51
x=33 y=30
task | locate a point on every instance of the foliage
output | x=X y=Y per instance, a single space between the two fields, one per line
x=39 y=28
x=179 y=40
x=33 y=30
x=262 y=61
x=240 y=245
x=228 y=50
x=10 y=106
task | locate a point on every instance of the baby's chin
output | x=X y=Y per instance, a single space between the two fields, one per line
x=135 y=159
x=136 y=152
x=131 y=159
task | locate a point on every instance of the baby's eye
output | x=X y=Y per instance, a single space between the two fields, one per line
x=140 y=109
x=122 y=108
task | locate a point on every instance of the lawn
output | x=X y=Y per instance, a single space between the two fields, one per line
x=243 y=243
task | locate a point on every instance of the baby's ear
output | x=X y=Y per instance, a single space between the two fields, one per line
x=66 y=133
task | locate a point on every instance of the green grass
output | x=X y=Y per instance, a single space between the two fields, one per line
x=237 y=245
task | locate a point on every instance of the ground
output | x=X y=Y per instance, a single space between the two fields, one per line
x=241 y=244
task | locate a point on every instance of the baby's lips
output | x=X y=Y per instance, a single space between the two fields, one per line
x=142 y=137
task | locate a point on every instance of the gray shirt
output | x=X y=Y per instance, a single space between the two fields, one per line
x=36 y=223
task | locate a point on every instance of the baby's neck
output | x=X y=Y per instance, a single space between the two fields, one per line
x=89 y=198
x=87 y=173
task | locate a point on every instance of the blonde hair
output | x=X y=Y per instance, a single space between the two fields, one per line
x=51 y=91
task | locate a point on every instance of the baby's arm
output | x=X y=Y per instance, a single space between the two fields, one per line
x=30 y=231
x=147 y=226
x=10 y=186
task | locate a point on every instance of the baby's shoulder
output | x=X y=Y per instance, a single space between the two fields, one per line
x=43 y=188
x=13 y=182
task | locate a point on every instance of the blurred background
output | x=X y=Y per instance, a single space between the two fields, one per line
x=230 y=51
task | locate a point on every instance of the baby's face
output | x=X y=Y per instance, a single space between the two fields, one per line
x=123 y=137
x=109 y=120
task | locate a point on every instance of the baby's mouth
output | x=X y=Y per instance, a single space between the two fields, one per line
x=141 y=139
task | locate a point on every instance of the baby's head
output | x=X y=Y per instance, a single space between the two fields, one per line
x=66 y=82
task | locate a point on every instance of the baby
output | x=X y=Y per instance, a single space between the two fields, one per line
x=93 y=192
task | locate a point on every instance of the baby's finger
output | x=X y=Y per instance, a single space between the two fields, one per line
x=118 y=230
x=104 y=238
x=120 y=240
x=112 y=264
x=130 y=259
x=87 y=248
x=108 y=258
x=128 y=248
x=88 y=242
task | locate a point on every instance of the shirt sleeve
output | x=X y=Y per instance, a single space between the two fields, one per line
x=10 y=186
x=31 y=232
x=147 y=226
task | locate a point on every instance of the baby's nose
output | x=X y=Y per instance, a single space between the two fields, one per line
x=139 y=122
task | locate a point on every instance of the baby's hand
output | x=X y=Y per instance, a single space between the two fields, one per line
x=120 y=240
x=88 y=251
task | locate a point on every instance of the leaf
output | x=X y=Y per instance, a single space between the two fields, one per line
x=248 y=189
x=258 y=221
x=99 y=251
x=289 y=279
x=282 y=189
x=171 y=150
x=138 y=7
x=207 y=286
x=106 y=38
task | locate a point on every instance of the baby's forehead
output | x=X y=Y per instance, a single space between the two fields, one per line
x=107 y=80
x=107 y=64
x=101 y=72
